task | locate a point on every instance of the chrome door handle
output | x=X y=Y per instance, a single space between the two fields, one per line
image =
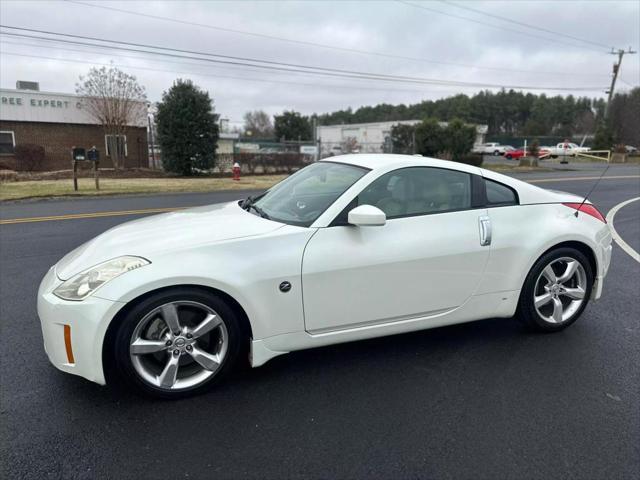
x=484 y=223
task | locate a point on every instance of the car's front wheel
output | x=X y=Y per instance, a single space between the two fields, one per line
x=556 y=291
x=176 y=343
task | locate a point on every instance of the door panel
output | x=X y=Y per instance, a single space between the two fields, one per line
x=411 y=267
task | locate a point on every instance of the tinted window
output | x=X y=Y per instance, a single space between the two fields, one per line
x=418 y=191
x=498 y=194
x=301 y=198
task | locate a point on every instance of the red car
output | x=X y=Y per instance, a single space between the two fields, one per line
x=518 y=153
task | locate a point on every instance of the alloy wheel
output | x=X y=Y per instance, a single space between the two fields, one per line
x=178 y=345
x=560 y=290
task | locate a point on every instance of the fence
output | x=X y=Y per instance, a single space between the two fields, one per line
x=328 y=149
x=262 y=163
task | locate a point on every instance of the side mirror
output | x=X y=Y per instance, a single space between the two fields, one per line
x=367 y=216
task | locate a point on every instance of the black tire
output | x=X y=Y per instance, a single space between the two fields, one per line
x=122 y=363
x=509 y=157
x=527 y=312
x=496 y=153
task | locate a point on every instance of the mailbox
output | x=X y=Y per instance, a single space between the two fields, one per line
x=79 y=154
x=93 y=154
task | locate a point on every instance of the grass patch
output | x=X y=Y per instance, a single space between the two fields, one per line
x=516 y=168
x=124 y=186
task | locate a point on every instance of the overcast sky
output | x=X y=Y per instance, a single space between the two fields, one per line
x=488 y=54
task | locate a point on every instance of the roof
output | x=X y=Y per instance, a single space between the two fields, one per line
x=388 y=160
x=387 y=123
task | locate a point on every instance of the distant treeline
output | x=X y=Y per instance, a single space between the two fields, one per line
x=512 y=113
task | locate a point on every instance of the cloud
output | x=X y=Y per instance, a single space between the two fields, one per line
x=388 y=27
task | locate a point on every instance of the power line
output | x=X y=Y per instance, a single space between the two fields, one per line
x=244 y=69
x=534 y=27
x=201 y=74
x=169 y=61
x=271 y=65
x=148 y=59
x=313 y=44
x=499 y=27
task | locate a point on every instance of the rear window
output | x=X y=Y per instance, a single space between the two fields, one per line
x=499 y=194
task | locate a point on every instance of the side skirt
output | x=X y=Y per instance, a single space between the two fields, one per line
x=478 y=307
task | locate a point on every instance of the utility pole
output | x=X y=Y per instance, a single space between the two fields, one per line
x=616 y=69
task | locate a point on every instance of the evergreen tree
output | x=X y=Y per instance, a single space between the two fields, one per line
x=292 y=126
x=403 y=138
x=429 y=138
x=458 y=138
x=187 y=129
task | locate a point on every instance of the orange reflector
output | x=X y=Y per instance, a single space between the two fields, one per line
x=67 y=344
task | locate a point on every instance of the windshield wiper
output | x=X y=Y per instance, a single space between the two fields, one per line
x=247 y=204
x=259 y=211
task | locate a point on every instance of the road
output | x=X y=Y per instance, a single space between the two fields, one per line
x=481 y=400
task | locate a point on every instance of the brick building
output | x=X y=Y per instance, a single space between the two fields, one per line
x=58 y=122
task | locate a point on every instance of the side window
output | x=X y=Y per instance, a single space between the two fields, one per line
x=418 y=191
x=498 y=194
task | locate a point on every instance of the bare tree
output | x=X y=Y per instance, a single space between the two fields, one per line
x=350 y=145
x=258 y=124
x=115 y=100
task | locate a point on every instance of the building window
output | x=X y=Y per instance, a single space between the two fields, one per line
x=116 y=141
x=7 y=142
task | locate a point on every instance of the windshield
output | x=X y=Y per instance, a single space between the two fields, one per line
x=301 y=198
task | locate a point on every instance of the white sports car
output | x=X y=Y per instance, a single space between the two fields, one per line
x=354 y=247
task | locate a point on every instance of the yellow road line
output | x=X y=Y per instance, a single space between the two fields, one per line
x=75 y=216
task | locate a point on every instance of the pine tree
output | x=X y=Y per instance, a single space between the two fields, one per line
x=187 y=129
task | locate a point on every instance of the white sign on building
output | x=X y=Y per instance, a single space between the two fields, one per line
x=308 y=149
x=34 y=106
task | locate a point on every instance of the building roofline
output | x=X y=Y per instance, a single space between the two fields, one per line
x=395 y=122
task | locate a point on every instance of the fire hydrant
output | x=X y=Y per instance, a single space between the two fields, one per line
x=236 y=171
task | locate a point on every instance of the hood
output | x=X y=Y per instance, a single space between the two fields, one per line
x=164 y=233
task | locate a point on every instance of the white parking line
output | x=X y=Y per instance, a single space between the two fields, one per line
x=624 y=245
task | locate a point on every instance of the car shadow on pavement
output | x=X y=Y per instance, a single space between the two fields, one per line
x=409 y=357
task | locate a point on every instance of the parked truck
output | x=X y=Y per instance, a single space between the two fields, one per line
x=491 y=148
x=565 y=149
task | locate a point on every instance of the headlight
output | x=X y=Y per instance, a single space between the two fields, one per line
x=85 y=283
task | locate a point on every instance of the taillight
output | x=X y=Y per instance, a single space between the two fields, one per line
x=588 y=209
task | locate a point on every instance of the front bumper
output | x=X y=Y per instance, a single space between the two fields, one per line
x=86 y=324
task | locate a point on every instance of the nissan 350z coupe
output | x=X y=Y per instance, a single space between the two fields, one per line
x=354 y=247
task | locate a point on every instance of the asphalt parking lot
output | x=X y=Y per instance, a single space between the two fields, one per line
x=482 y=400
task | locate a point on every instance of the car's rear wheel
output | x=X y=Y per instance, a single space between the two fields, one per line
x=509 y=156
x=177 y=342
x=496 y=153
x=556 y=291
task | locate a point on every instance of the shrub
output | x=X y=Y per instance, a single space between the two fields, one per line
x=534 y=148
x=620 y=148
x=403 y=138
x=429 y=138
x=29 y=157
x=459 y=138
